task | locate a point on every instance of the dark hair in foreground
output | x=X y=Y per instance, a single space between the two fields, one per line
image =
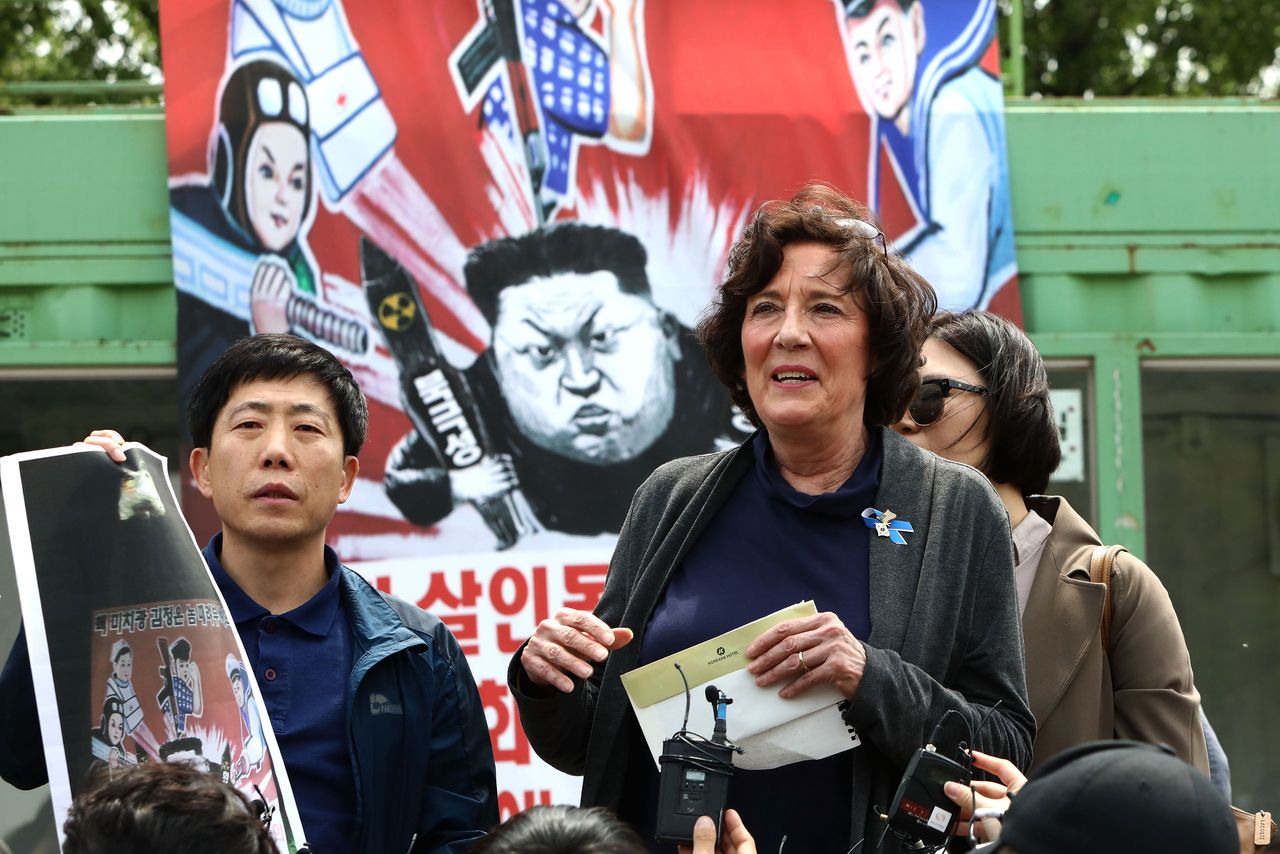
x=277 y=357
x=1116 y=797
x=564 y=247
x=1021 y=428
x=562 y=830
x=897 y=300
x=162 y=806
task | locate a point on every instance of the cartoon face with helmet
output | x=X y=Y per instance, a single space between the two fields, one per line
x=261 y=159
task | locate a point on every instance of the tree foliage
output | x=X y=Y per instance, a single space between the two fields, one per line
x=1072 y=47
x=54 y=40
x=1149 y=47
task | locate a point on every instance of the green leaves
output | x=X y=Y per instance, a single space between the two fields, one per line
x=1150 y=47
x=89 y=40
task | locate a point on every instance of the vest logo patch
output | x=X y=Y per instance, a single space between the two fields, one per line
x=380 y=705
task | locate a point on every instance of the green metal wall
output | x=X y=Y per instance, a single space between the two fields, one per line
x=1146 y=229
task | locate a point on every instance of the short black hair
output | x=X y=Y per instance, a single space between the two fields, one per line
x=163 y=806
x=181 y=648
x=563 y=247
x=277 y=356
x=562 y=830
x=1022 y=431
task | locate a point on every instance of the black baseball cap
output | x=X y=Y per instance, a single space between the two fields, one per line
x=1118 y=797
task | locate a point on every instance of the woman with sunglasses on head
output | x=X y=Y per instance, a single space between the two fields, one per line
x=984 y=400
x=816 y=332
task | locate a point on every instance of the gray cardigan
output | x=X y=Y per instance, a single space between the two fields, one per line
x=945 y=632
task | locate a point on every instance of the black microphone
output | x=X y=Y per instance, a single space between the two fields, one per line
x=720 y=708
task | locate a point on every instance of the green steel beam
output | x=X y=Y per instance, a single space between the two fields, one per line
x=83 y=178
x=1143 y=170
x=1117 y=431
x=82 y=353
x=81 y=89
x=1117 y=362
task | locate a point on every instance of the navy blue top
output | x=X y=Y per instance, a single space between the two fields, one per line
x=767 y=548
x=302 y=660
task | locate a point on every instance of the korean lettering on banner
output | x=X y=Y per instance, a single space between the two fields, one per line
x=491 y=603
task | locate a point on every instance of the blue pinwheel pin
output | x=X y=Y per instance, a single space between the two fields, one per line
x=887 y=524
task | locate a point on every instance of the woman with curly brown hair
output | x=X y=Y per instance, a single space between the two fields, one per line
x=816 y=332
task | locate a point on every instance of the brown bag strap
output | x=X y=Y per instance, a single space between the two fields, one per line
x=1100 y=565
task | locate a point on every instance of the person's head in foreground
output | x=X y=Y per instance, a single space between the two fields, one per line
x=983 y=400
x=817 y=328
x=276 y=423
x=164 y=806
x=562 y=830
x=1118 y=797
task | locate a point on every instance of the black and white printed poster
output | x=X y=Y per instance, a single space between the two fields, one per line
x=133 y=652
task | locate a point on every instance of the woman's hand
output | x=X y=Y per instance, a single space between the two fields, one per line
x=566 y=645
x=988 y=795
x=734 y=839
x=109 y=441
x=816 y=649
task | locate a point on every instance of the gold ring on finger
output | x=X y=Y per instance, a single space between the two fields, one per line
x=803 y=666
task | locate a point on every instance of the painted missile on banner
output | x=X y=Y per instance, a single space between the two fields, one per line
x=134 y=656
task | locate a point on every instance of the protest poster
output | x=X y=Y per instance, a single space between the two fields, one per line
x=505 y=216
x=134 y=657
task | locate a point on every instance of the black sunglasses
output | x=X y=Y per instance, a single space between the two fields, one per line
x=926 y=407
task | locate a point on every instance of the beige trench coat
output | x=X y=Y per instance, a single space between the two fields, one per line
x=1142 y=690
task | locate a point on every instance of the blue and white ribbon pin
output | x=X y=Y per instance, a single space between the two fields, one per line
x=887 y=524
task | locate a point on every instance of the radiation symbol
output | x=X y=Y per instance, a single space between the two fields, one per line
x=396 y=311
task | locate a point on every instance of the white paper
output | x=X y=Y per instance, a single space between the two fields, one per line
x=771 y=731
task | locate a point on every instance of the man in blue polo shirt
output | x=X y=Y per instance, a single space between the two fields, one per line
x=373 y=705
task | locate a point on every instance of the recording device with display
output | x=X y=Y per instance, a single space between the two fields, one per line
x=695 y=772
x=921 y=811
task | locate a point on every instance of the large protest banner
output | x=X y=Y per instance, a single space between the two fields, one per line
x=134 y=656
x=506 y=215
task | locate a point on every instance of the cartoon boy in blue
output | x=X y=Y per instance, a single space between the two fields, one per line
x=937 y=120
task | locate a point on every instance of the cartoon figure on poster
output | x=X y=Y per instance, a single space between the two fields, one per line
x=252 y=741
x=352 y=137
x=211 y=724
x=109 y=752
x=563 y=85
x=241 y=259
x=585 y=388
x=938 y=174
x=182 y=696
x=120 y=691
